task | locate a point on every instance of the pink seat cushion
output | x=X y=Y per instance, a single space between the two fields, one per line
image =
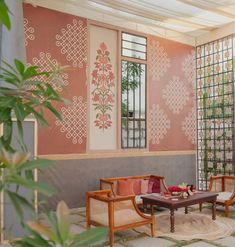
x=125 y=187
x=156 y=188
x=137 y=186
x=144 y=186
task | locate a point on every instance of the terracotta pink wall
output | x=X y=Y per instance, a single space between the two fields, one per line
x=172 y=120
x=62 y=39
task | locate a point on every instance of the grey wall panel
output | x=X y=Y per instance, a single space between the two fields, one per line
x=72 y=178
x=12 y=225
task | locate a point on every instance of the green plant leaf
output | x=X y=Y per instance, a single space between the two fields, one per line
x=20 y=66
x=62 y=213
x=32 y=185
x=54 y=111
x=35 y=164
x=19 y=111
x=20 y=202
x=89 y=237
x=4 y=15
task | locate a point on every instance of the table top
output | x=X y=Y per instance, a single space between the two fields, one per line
x=177 y=202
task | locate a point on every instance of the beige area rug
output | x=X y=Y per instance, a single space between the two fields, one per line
x=191 y=226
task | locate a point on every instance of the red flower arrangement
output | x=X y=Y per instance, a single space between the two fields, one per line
x=174 y=189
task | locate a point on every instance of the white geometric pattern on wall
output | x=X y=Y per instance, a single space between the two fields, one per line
x=74 y=120
x=175 y=95
x=189 y=67
x=28 y=32
x=189 y=126
x=73 y=43
x=159 y=62
x=158 y=124
x=45 y=62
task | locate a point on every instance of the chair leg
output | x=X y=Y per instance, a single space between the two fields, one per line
x=200 y=207
x=111 y=238
x=227 y=210
x=88 y=226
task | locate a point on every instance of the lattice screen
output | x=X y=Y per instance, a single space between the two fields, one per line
x=215 y=109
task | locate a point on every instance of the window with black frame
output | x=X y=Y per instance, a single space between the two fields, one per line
x=133 y=101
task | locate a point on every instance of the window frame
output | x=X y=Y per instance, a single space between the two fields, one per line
x=140 y=61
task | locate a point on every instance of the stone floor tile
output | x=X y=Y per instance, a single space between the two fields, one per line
x=200 y=244
x=115 y=245
x=75 y=218
x=228 y=242
x=127 y=233
x=76 y=229
x=150 y=242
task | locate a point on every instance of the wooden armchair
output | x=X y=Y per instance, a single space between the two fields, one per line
x=116 y=213
x=225 y=186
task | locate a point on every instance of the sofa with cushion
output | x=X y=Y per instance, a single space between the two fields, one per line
x=134 y=185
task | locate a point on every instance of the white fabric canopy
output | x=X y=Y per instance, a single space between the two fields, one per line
x=182 y=20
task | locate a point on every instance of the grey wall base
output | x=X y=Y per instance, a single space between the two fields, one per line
x=72 y=178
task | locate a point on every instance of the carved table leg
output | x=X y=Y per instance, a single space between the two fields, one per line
x=152 y=209
x=186 y=210
x=172 y=217
x=214 y=210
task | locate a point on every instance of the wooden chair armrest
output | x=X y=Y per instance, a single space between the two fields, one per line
x=101 y=195
x=232 y=196
x=122 y=198
x=99 y=192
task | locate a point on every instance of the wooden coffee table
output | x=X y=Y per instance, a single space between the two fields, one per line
x=171 y=204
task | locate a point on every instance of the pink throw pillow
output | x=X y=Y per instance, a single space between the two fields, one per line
x=144 y=186
x=125 y=187
x=137 y=186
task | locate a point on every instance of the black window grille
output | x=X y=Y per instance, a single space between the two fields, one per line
x=134 y=46
x=133 y=105
x=215 y=109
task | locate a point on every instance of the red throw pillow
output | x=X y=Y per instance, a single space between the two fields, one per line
x=137 y=186
x=125 y=187
x=144 y=186
x=150 y=187
x=156 y=185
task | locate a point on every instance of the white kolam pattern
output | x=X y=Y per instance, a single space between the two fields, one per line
x=72 y=41
x=189 y=68
x=28 y=32
x=45 y=62
x=159 y=61
x=189 y=126
x=158 y=124
x=74 y=120
x=175 y=95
